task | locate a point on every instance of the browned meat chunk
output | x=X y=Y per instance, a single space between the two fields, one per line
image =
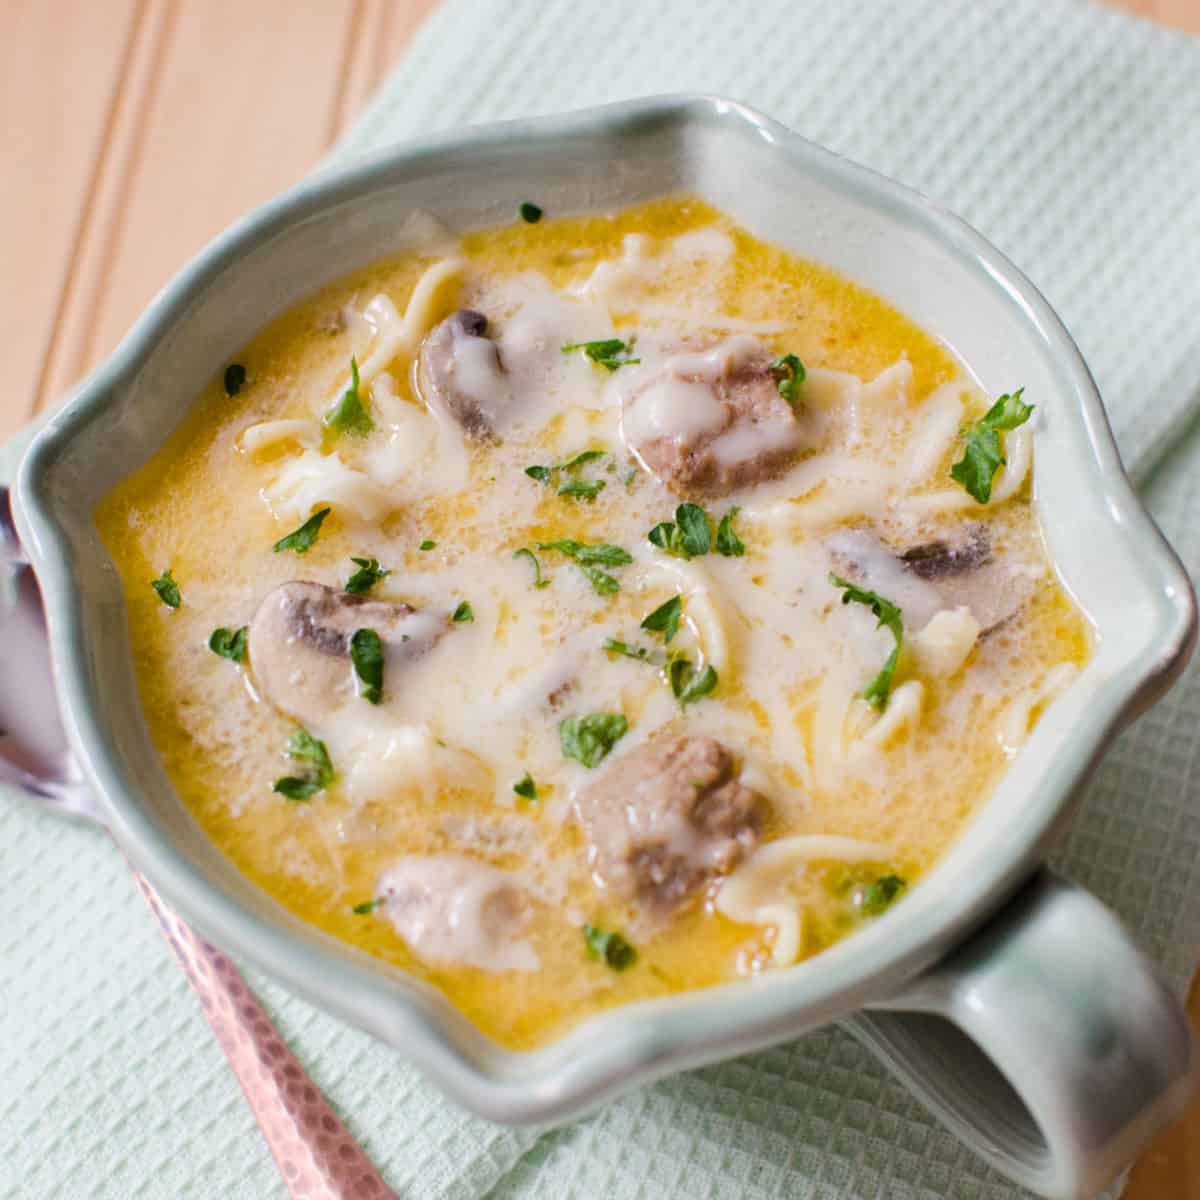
x=666 y=818
x=713 y=422
x=461 y=374
x=299 y=644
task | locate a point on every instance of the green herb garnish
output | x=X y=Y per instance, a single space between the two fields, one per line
x=889 y=616
x=641 y=653
x=589 y=739
x=689 y=684
x=728 y=542
x=303 y=539
x=789 y=373
x=582 y=489
x=665 y=618
x=590 y=558
x=688 y=536
x=530 y=212
x=525 y=787
x=608 y=947
x=305 y=748
x=602 y=554
x=603 y=583
x=229 y=643
x=167 y=589
x=983 y=455
x=235 y=377
x=609 y=353
x=463 y=613
x=369 y=573
x=369 y=906
x=581 y=459
x=525 y=552
x=574 y=489
x=366 y=653
x=876 y=897
x=349 y=415
x=427 y=544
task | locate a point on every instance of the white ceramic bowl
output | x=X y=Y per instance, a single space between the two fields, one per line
x=1079 y=1051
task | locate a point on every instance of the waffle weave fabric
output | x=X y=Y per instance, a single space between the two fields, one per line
x=1070 y=136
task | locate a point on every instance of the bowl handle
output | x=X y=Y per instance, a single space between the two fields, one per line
x=1047 y=1042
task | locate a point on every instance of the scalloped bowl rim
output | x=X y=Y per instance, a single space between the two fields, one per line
x=644 y=1040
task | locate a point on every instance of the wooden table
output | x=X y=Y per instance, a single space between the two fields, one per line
x=137 y=129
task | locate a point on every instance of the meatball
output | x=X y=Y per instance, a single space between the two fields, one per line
x=666 y=818
x=712 y=422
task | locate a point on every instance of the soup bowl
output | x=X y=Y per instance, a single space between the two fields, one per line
x=1010 y=1001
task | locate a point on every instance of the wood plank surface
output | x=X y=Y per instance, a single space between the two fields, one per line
x=137 y=129
x=49 y=156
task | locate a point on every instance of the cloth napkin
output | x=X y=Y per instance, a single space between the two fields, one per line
x=1070 y=136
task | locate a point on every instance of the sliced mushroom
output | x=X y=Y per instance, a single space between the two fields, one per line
x=461 y=374
x=958 y=571
x=299 y=644
x=945 y=559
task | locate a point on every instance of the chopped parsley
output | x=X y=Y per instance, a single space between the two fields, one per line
x=589 y=739
x=366 y=653
x=525 y=787
x=525 y=552
x=305 y=748
x=608 y=947
x=235 y=377
x=590 y=558
x=427 y=544
x=877 y=897
x=574 y=488
x=463 y=613
x=229 y=643
x=689 y=684
x=609 y=353
x=369 y=573
x=582 y=489
x=889 y=616
x=983 y=454
x=167 y=589
x=665 y=618
x=602 y=582
x=369 y=906
x=581 y=459
x=640 y=653
x=688 y=536
x=545 y=474
x=349 y=415
x=530 y=212
x=789 y=373
x=602 y=554
x=303 y=539
x=728 y=542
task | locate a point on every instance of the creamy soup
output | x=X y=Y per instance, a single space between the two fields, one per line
x=591 y=609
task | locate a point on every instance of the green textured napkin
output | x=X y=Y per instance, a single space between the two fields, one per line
x=1069 y=135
